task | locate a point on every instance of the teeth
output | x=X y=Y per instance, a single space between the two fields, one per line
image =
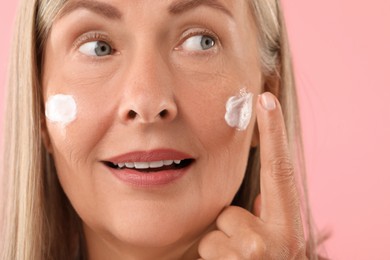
x=121 y=165
x=146 y=165
x=129 y=165
x=141 y=165
x=156 y=164
x=168 y=162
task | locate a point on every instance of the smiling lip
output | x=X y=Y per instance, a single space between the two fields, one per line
x=150 y=177
x=150 y=156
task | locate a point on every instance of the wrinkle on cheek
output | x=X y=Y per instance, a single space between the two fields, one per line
x=229 y=176
x=64 y=130
x=76 y=159
x=83 y=81
x=213 y=85
x=69 y=149
x=201 y=67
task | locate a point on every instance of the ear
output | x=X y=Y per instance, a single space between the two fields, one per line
x=45 y=135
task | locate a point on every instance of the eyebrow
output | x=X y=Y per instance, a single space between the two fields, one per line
x=179 y=7
x=112 y=12
x=103 y=9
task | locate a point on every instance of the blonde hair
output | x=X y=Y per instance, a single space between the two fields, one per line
x=39 y=221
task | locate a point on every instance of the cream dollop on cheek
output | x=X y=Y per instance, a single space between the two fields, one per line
x=239 y=110
x=61 y=109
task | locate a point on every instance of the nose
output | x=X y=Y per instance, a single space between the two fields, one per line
x=148 y=94
x=153 y=114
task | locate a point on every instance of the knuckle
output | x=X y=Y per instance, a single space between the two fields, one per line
x=295 y=248
x=288 y=245
x=255 y=247
x=282 y=168
x=298 y=248
x=276 y=129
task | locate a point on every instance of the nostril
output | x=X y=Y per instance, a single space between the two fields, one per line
x=164 y=113
x=132 y=114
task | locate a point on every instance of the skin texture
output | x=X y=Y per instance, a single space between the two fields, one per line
x=151 y=70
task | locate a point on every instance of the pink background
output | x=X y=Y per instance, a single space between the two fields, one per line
x=341 y=54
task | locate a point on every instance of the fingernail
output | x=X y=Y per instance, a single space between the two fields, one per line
x=268 y=101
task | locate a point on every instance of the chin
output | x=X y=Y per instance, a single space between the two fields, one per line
x=152 y=230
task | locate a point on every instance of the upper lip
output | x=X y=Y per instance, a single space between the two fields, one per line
x=150 y=156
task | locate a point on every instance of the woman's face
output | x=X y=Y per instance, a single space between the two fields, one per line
x=150 y=80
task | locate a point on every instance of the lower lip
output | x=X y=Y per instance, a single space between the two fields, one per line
x=140 y=179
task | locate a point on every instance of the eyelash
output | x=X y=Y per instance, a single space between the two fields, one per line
x=195 y=32
x=93 y=36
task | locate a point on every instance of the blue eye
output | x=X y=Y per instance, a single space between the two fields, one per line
x=96 y=48
x=198 y=43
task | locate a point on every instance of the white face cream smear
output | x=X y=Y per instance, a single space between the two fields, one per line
x=61 y=109
x=239 y=110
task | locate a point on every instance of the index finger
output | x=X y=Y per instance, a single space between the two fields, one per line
x=279 y=196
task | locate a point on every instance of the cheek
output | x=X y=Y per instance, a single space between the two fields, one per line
x=81 y=133
x=86 y=84
x=203 y=105
x=75 y=150
x=74 y=144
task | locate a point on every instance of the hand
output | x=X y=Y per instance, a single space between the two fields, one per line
x=274 y=229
